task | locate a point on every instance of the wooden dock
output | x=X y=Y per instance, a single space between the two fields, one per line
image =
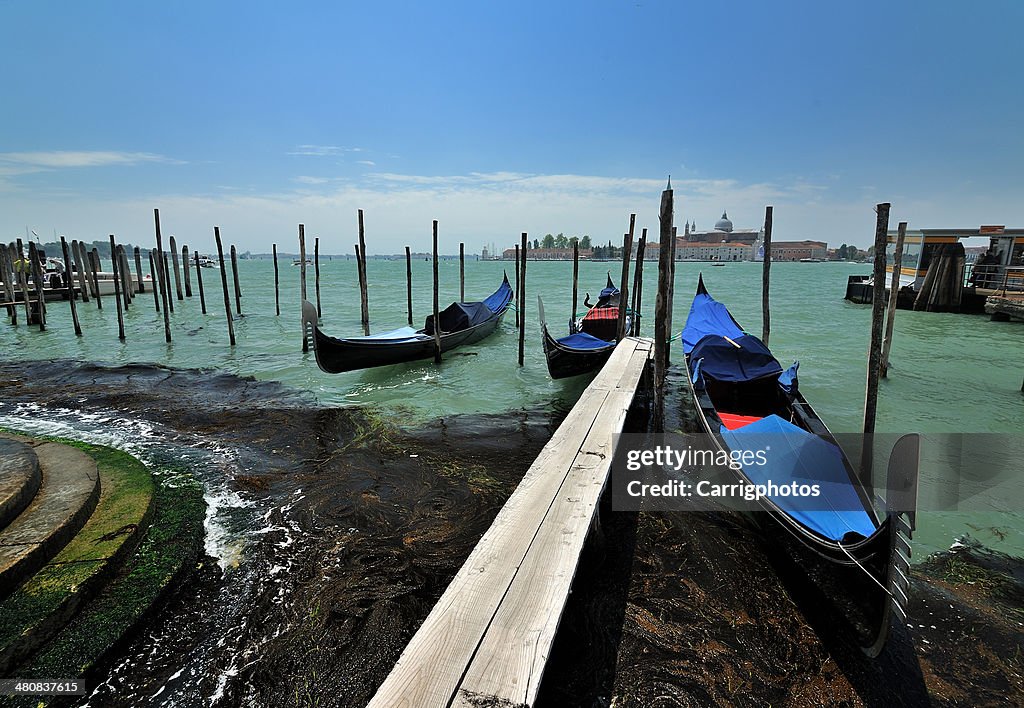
x=487 y=640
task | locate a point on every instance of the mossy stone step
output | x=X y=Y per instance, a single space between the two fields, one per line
x=51 y=597
x=65 y=500
x=19 y=478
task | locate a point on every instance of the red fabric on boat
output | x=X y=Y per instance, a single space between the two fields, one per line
x=602 y=313
x=732 y=421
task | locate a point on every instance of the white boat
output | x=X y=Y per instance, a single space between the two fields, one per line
x=206 y=261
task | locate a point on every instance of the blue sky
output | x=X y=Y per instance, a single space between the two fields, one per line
x=497 y=118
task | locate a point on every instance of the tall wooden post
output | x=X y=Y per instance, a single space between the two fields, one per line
x=71 y=286
x=23 y=276
x=662 y=306
x=575 y=283
x=627 y=252
x=408 y=282
x=199 y=282
x=185 y=268
x=177 y=272
x=37 y=278
x=316 y=274
x=462 y=272
x=437 y=322
x=165 y=277
x=518 y=296
x=117 y=288
x=224 y=285
x=234 y=274
x=638 y=282
x=7 y=275
x=277 y=285
x=87 y=262
x=522 y=294
x=875 y=347
x=154 y=280
x=163 y=283
x=138 y=269
x=126 y=277
x=302 y=279
x=363 y=298
x=766 y=314
x=894 y=291
x=94 y=269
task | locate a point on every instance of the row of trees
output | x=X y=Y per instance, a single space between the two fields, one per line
x=561 y=241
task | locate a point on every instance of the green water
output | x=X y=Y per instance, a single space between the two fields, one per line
x=951 y=373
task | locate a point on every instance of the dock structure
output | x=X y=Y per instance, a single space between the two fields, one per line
x=1005 y=307
x=488 y=638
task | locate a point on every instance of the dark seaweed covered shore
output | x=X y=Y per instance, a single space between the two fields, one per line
x=352 y=527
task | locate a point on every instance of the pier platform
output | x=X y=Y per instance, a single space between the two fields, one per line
x=1006 y=306
x=487 y=640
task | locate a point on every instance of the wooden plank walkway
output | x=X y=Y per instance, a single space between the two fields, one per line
x=487 y=639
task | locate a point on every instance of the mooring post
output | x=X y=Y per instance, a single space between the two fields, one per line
x=71 y=286
x=766 y=313
x=894 y=291
x=185 y=268
x=177 y=272
x=522 y=293
x=517 y=295
x=126 y=277
x=84 y=276
x=408 y=282
x=154 y=280
x=302 y=280
x=166 y=279
x=164 y=295
x=462 y=271
x=575 y=283
x=363 y=285
x=437 y=322
x=23 y=275
x=627 y=252
x=316 y=274
x=7 y=274
x=37 y=279
x=117 y=288
x=224 y=284
x=199 y=282
x=875 y=347
x=138 y=270
x=277 y=285
x=234 y=274
x=662 y=306
x=638 y=282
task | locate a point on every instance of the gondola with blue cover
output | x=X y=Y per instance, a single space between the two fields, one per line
x=591 y=339
x=748 y=402
x=461 y=323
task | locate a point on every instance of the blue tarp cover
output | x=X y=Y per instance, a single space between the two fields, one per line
x=795 y=455
x=708 y=316
x=582 y=340
x=459 y=316
x=722 y=360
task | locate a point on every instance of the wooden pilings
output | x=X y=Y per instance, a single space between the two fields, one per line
x=36 y=270
x=116 y=268
x=154 y=280
x=93 y=265
x=408 y=282
x=138 y=269
x=875 y=346
x=662 y=306
x=199 y=282
x=158 y=262
x=627 y=251
x=277 y=285
x=185 y=268
x=224 y=284
x=363 y=299
x=894 y=290
x=638 y=282
x=437 y=322
x=462 y=272
x=766 y=314
x=518 y=296
x=177 y=271
x=234 y=276
x=522 y=294
x=575 y=283
x=7 y=274
x=316 y=274
x=302 y=279
x=71 y=286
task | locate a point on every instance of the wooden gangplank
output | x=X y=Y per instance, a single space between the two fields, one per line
x=487 y=639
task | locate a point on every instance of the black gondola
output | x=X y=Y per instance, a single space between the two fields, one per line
x=747 y=401
x=591 y=339
x=461 y=323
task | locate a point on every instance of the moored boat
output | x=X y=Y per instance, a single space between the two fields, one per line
x=747 y=402
x=460 y=323
x=591 y=338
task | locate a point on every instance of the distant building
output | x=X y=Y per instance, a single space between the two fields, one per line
x=722 y=243
x=706 y=251
x=797 y=250
x=548 y=254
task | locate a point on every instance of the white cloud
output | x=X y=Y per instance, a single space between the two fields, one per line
x=306 y=179
x=322 y=150
x=370 y=163
x=59 y=159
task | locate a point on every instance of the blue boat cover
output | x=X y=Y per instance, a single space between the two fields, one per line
x=500 y=298
x=741 y=358
x=582 y=340
x=795 y=455
x=708 y=316
x=788 y=379
x=459 y=316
